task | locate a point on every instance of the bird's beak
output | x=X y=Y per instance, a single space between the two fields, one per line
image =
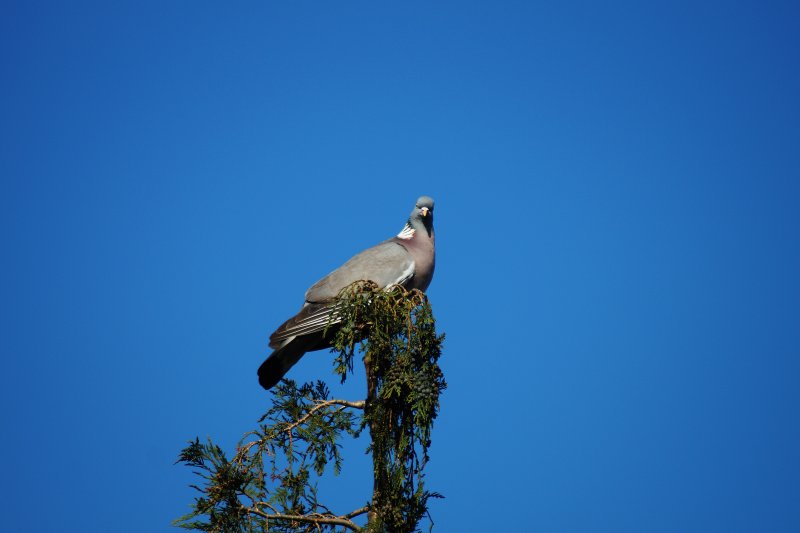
x=423 y=211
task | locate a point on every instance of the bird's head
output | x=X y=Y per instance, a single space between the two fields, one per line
x=422 y=215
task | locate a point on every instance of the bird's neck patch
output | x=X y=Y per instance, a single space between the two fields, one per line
x=407 y=232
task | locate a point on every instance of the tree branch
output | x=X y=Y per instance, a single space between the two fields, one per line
x=354 y=405
x=312 y=519
x=320 y=405
x=357 y=512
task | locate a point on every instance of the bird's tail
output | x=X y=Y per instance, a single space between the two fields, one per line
x=280 y=361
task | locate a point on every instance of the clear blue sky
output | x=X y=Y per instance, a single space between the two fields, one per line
x=618 y=269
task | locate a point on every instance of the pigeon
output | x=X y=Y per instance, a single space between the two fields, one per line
x=408 y=259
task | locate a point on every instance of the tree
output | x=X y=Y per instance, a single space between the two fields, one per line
x=269 y=484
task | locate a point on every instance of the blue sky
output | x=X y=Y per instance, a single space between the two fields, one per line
x=617 y=194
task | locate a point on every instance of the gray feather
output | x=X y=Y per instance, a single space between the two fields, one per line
x=386 y=264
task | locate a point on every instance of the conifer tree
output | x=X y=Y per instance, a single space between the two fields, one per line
x=269 y=483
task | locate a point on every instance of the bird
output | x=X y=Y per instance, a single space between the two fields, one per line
x=407 y=259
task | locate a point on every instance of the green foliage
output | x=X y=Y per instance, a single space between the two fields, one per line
x=273 y=470
x=270 y=482
x=396 y=332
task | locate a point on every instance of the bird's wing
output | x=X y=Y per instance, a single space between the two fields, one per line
x=311 y=318
x=386 y=264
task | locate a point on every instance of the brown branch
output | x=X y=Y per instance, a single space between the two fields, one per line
x=357 y=512
x=315 y=518
x=320 y=405
x=245 y=448
x=354 y=405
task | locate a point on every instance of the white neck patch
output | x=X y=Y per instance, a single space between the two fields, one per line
x=406 y=233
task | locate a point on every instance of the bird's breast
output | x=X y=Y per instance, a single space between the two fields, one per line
x=423 y=252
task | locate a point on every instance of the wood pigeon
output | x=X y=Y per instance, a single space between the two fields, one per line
x=407 y=259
